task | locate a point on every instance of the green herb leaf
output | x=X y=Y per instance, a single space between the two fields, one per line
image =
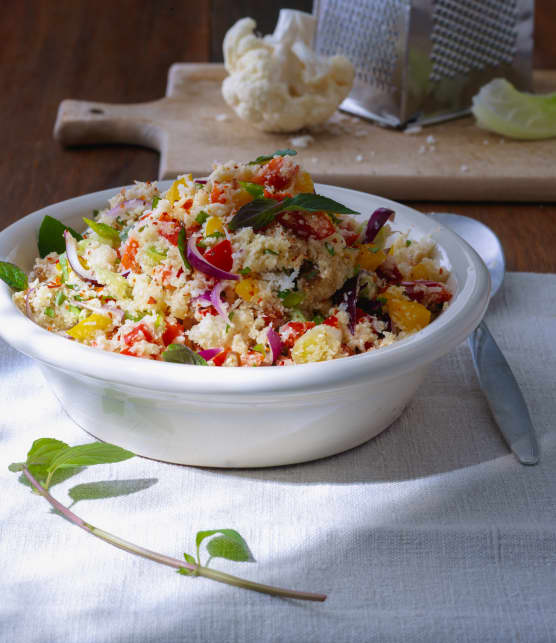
x=179 y=354
x=49 y=312
x=244 y=271
x=330 y=249
x=318 y=319
x=13 y=276
x=156 y=199
x=268 y=157
x=60 y=298
x=315 y=203
x=40 y=455
x=85 y=455
x=260 y=349
x=268 y=251
x=256 y=214
x=254 y=189
x=155 y=255
x=227 y=544
x=64 y=267
x=107 y=233
x=201 y=217
x=51 y=236
x=408 y=243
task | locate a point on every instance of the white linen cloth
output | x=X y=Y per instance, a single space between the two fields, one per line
x=430 y=532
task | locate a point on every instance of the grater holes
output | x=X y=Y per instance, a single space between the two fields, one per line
x=348 y=27
x=468 y=35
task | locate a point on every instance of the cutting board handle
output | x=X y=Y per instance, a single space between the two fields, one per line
x=84 y=122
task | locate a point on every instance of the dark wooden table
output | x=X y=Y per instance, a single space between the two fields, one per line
x=120 y=52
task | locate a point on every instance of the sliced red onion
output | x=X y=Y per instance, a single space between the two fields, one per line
x=217 y=302
x=274 y=342
x=378 y=218
x=123 y=206
x=73 y=259
x=200 y=181
x=209 y=353
x=348 y=295
x=125 y=274
x=198 y=262
x=112 y=309
x=435 y=292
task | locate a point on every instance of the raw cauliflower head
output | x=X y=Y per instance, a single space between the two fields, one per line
x=278 y=83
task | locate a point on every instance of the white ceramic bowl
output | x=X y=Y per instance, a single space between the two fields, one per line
x=242 y=417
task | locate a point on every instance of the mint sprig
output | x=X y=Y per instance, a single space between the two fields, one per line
x=260 y=213
x=268 y=157
x=48 y=455
x=13 y=276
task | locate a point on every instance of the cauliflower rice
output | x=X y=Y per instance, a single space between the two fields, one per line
x=306 y=287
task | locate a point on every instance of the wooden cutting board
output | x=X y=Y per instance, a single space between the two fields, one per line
x=192 y=127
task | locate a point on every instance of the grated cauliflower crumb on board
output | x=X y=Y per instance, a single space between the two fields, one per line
x=289 y=277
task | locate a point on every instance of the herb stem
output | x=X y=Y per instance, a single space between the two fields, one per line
x=213 y=574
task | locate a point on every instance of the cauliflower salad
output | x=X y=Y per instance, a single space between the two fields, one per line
x=248 y=267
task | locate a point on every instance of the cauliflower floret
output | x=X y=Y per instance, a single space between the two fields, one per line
x=278 y=83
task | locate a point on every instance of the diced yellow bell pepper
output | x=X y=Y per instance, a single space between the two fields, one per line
x=214 y=224
x=318 y=344
x=409 y=316
x=304 y=182
x=247 y=289
x=369 y=257
x=173 y=193
x=420 y=271
x=87 y=328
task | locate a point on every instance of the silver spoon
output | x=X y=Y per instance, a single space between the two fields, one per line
x=495 y=376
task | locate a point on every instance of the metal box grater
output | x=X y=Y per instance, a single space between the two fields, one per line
x=421 y=61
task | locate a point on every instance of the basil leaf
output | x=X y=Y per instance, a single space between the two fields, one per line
x=181 y=248
x=254 y=189
x=268 y=157
x=316 y=203
x=40 y=455
x=86 y=455
x=51 y=236
x=188 y=572
x=257 y=214
x=180 y=354
x=104 y=231
x=13 y=276
x=227 y=544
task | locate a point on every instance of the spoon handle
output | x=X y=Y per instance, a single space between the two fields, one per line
x=503 y=395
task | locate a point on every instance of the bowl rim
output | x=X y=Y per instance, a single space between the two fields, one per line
x=461 y=317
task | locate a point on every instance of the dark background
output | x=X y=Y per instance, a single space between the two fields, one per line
x=120 y=51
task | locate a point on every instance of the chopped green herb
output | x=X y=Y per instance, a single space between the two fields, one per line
x=291 y=299
x=64 y=267
x=96 y=212
x=215 y=235
x=227 y=328
x=245 y=271
x=334 y=218
x=254 y=189
x=231 y=315
x=105 y=232
x=297 y=315
x=74 y=309
x=49 y=312
x=381 y=300
x=201 y=217
x=318 y=319
x=155 y=255
x=156 y=199
x=408 y=243
x=260 y=349
x=330 y=248
x=268 y=251
x=181 y=248
x=137 y=317
x=60 y=298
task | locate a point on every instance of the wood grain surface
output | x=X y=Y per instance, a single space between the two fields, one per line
x=120 y=52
